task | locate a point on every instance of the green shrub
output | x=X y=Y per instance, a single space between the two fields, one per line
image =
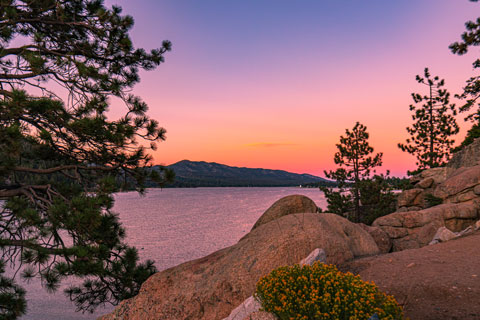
x=322 y=292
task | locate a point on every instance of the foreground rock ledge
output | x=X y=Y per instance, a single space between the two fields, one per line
x=211 y=287
x=441 y=281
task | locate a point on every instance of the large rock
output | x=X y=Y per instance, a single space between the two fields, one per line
x=415 y=229
x=459 y=187
x=381 y=238
x=211 y=287
x=467 y=157
x=443 y=234
x=247 y=307
x=316 y=255
x=438 y=175
x=286 y=205
x=411 y=197
x=425 y=183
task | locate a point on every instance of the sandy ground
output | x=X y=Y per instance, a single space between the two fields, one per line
x=440 y=281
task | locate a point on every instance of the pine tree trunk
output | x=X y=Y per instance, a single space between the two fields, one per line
x=356 y=194
x=431 y=157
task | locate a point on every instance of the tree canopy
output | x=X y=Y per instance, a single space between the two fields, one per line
x=356 y=161
x=62 y=63
x=471 y=91
x=434 y=124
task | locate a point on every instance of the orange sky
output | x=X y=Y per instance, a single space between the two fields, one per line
x=274 y=84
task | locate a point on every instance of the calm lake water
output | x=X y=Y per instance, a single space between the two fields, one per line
x=172 y=226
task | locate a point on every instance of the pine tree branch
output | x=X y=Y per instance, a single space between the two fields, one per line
x=30 y=244
x=6 y=76
x=59 y=168
x=47 y=22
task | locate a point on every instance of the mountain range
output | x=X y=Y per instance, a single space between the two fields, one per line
x=211 y=174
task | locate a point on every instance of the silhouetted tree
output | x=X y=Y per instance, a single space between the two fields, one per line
x=12 y=297
x=433 y=124
x=376 y=198
x=354 y=156
x=59 y=158
x=471 y=92
x=472 y=134
x=339 y=200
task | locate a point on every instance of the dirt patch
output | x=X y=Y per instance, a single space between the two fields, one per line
x=441 y=281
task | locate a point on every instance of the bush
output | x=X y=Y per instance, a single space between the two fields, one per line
x=376 y=198
x=322 y=292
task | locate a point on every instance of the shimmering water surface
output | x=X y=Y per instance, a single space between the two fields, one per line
x=172 y=226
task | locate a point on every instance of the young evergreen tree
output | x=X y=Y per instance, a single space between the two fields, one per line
x=339 y=200
x=434 y=124
x=60 y=159
x=376 y=197
x=356 y=161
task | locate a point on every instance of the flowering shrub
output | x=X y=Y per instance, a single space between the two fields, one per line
x=322 y=292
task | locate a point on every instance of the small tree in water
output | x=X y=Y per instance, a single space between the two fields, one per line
x=434 y=124
x=356 y=160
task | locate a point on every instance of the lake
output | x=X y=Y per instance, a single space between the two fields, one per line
x=172 y=226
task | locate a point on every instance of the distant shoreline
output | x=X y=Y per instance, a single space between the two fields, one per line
x=218 y=187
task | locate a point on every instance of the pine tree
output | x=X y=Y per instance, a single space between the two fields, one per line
x=376 y=197
x=60 y=159
x=356 y=161
x=434 y=124
x=12 y=297
x=471 y=92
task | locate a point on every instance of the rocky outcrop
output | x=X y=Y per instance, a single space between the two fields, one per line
x=438 y=175
x=211 y=287
x=425 y=184
x=469 y=156
x=415 y=229
x=411 y=198
x=287 y=205
x=456 y=187
x=459 y=181
x=459 y=186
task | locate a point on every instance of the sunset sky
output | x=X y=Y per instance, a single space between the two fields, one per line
x=274 y=83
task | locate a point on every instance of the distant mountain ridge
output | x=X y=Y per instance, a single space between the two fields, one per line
x=211 y=174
